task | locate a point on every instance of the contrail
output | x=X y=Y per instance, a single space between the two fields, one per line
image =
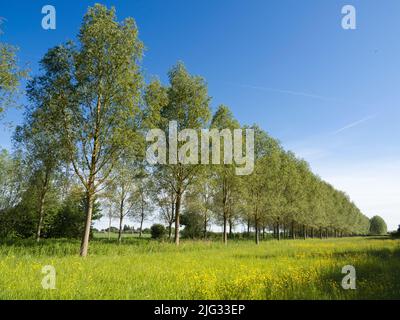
x=353 y=124
x=309 y=95
x=294 y=93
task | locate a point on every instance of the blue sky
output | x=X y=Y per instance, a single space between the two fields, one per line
x=329 y=94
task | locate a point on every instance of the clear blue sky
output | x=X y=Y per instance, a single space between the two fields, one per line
x=331 y=95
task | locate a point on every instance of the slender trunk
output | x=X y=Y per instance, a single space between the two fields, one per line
x=141 y=225
x=225 y=234
x=205 y=227
x=171 y=221
x=177 y=208
x=320 y=232
x=225 y=212
x=91 y=183
x=109 y=228
x=278 y=230
x=257 y=230
x=41 y=216
x=304 y=232
x=121 y=218
x=88 y=222
x=41 y=204
x=141 y=216
x=293 y=234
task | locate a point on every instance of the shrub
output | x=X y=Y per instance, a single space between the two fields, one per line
x=157 y=231
x=377 y=226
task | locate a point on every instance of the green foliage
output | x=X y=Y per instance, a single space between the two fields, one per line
x=377 y=226
x=157 y=231
x=12 y=179
x=194 y=225
x=10 y=75
x=68 y=222
x=186 y=101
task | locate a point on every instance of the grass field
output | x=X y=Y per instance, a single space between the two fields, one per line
x=146 y=269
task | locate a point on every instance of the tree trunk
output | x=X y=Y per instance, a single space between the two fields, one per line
x=141 y=226
x=41 y=216
x=88 y=222
x=304 y=232
x=90 y=187
x=278 y=230
x=41 y=203
x=177 y=208
x=257 y=235
x=225 y=234
x=109 y=228
x=205 y=227
x=225 y=212
x=121 y=218
x=293 y=234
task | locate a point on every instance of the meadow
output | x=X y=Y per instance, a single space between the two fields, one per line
x=148 y=269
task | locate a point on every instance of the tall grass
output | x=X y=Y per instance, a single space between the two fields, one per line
x=146 y=269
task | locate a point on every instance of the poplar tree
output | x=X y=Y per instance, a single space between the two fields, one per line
x=185 y=101
x=96 y=98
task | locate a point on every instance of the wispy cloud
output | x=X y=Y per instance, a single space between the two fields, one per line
x=354 y=124
x=298 y=94
x=290 y=92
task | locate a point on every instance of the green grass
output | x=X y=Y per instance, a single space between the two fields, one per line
x=147 y=269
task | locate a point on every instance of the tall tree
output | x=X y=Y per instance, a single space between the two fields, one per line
x=185 y=101
x=120 y=189
x=98 y=84
x=256 y=185
x=224 y=174
x=142 y=202
x=200 y=200
x=164 y=199
x=42 y=151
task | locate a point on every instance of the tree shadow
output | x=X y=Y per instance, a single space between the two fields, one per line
x=377 y=274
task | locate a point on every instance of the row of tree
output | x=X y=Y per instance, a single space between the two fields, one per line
x=84 y=133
